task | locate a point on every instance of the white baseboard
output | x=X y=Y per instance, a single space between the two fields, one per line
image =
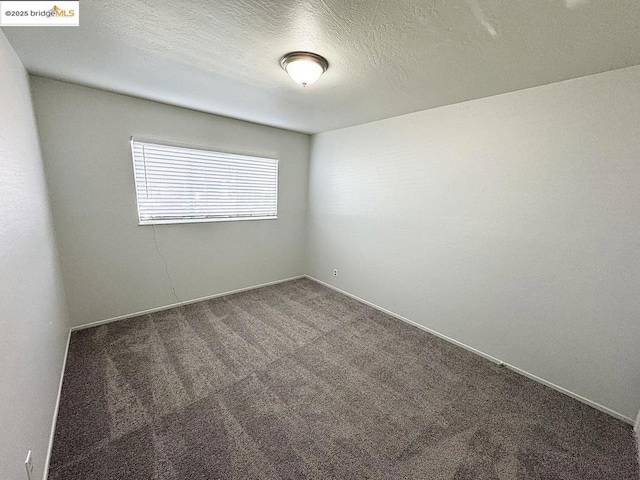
x=491 y=358
x=179 y=304
x=57 y=406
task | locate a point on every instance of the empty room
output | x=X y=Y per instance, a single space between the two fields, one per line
x=319 y=240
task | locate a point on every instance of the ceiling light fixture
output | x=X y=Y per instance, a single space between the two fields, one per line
x=304 y=67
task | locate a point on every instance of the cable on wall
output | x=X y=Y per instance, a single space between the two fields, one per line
x=164 y=260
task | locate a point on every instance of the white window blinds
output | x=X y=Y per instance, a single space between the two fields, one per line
x=181 y=185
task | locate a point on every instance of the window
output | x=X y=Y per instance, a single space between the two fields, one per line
x=183 y=185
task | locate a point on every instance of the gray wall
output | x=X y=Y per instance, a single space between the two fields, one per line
x=33 y=317
x=510 y=223
x=111 y=265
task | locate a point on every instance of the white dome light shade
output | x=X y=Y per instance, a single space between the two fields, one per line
x=304 y=67
x=304 y=71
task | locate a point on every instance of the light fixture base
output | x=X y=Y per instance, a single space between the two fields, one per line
x=300 y=55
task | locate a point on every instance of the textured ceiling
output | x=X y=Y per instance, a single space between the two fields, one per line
x=387 y=57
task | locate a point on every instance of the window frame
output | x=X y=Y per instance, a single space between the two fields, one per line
x=203 y=219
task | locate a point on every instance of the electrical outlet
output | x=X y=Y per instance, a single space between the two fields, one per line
x=335 y=272
x=28 y=465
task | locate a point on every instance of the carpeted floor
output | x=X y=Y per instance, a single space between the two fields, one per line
x=296 y=381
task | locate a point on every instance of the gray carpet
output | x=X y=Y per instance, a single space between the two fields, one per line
x=296 y=381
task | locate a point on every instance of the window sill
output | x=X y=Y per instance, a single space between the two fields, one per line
x=202 y=220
